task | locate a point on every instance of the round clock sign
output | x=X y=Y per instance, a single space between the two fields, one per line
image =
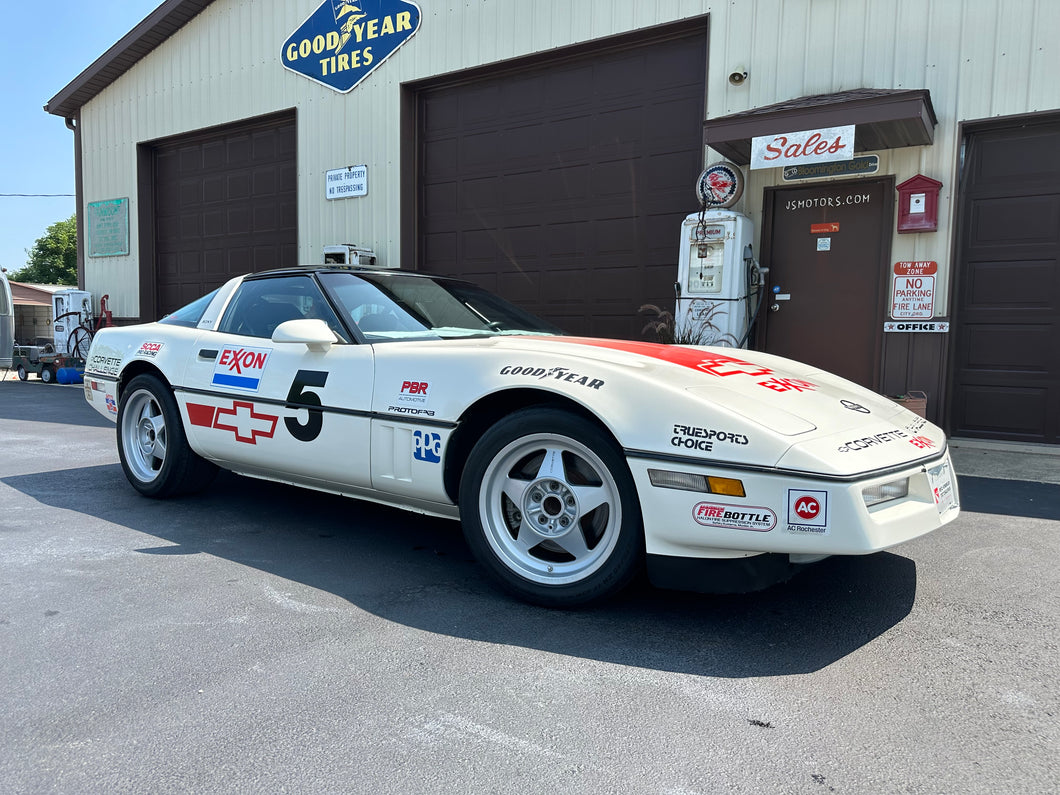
x=721 y=185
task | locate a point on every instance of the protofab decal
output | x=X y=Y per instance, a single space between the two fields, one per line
x=734 y=517
x=241 y=368
x=808 y=512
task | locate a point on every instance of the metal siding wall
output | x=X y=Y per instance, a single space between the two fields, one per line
x=979 y=58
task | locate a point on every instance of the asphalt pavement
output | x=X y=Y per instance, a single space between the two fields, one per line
x=261 y=638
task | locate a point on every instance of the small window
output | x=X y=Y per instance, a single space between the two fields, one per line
x=191 y=314
x=260 y=305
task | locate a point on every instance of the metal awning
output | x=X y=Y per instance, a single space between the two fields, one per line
x=884 y=119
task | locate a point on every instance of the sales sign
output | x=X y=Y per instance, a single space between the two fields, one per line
x=802 y=148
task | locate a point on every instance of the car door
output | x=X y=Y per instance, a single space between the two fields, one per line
x=293 y=411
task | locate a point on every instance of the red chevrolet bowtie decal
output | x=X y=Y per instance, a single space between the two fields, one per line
x=241 y=419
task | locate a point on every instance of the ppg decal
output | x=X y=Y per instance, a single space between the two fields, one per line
x=427 y=446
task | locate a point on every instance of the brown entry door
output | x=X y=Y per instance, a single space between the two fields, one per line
x=827 y=247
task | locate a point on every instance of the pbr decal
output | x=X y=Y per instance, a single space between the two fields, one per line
x=734 y=517
x=241 y=419
x=554 y=374
x=415 y=392
x=344 y=41
x=808 y=512
x=427 y=446
x=150 y=349
x=241 y=368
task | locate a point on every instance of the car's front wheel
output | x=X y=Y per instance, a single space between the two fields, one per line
x=549 y=508
x=152 y=446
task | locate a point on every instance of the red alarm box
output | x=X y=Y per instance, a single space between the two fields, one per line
x=918 y=204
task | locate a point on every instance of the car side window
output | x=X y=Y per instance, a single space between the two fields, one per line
x=260 y=305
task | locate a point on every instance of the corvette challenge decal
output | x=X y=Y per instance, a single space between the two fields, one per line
x=808 y=512
x=734 y=517
x=717 y=364
x=240 y=367
x=241 y=419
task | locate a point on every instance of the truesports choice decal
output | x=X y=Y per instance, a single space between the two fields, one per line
x=717 y=364
x=241 y=368
x=241 y=419
x=734 y=517
x=702 y=439
x=344 y=41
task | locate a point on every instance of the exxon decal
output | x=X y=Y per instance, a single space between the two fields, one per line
x=240 y=368
x=344 y=41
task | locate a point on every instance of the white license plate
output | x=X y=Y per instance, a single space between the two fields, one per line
x=943 y=488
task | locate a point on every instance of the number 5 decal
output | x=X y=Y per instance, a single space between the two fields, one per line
x=301 y=397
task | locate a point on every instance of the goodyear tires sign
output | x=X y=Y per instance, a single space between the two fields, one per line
x=343 y=41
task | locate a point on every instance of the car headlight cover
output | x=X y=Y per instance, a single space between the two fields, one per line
x=885 y=492
x=689 y=481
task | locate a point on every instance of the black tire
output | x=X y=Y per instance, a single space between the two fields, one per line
x=47 y=375
x=550 y=510
x=152 y=445
x=22 y=374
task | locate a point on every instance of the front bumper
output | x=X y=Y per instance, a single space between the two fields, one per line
x=792 y=514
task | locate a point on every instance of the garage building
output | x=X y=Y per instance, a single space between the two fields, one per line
x=549 y=151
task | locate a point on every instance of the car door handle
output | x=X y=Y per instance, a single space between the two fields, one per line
x=207 y=353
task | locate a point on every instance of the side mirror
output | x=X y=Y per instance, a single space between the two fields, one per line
x=311 y=332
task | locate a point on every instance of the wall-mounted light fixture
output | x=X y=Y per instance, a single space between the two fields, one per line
x=737 y=76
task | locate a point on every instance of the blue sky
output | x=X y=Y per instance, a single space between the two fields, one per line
x=43 y=46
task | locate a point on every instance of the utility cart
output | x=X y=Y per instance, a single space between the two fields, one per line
x=48 y=365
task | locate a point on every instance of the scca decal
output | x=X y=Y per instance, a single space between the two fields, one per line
x=150 y=349
x=247 y=424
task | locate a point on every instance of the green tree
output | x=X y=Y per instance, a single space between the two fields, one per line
x=53 y=258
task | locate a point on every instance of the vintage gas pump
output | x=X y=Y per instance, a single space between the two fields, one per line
x=69 y=308
x=718 y=280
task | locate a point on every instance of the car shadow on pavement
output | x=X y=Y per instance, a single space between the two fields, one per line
x=418 y=571
x=1010 y=497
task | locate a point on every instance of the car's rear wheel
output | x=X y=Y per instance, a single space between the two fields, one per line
x=152 y=446
x=550 y=509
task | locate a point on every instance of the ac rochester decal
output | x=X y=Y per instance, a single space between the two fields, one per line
x=343 y=41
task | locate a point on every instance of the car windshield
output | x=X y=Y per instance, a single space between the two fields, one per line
x=390 y=306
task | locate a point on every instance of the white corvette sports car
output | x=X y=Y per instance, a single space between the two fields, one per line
x=572 y=463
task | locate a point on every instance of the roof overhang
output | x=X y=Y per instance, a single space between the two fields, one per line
x=884 y=119
x=156 y=27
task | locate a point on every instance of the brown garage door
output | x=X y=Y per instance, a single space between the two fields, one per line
x=225 y=204
x=563 y=185
x=1007 y=313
